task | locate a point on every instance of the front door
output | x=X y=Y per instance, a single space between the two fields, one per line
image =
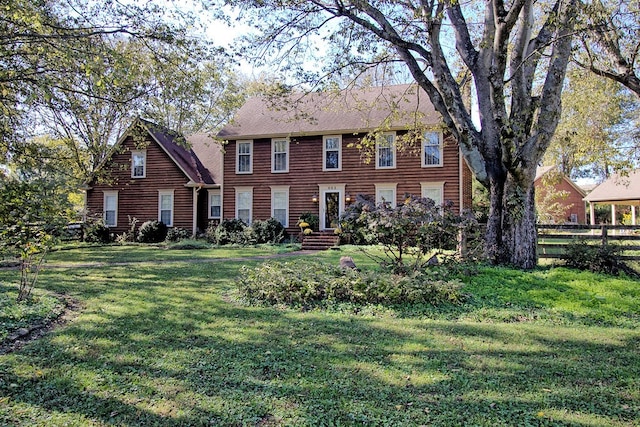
x=330 y=214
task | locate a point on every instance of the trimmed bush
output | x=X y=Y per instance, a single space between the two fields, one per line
x=229 y=231
x=595 y=258
x=95 y=231
x=152 y=232
x=268 y=231
x=312 y=283
x=176 y=234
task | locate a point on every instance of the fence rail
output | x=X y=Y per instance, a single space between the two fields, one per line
x=554 y=239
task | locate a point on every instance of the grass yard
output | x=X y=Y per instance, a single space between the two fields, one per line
x=165 y=342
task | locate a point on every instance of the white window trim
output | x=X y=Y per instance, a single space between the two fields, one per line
x=214 y=192
x=280 y=189
x=395 y=158
x=250 y=142
x=104 y=206
x=244 y=190
x=166 y=193
x=441 y=146
x=273 y=155
x=144 y=163
x=433 y=185
x=387 y=186
x=324 y=153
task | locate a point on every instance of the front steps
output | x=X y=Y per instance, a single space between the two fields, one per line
x=320 y=241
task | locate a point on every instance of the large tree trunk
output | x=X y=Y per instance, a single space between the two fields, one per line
x=511 y=230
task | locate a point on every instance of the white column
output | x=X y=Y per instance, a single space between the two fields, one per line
x=592 y=213
x=613 y=214
x=633 y=215
x=195 y=211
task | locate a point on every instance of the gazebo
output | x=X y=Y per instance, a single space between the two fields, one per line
x=619 y=189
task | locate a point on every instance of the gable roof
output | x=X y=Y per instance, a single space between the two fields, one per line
x=543 y=170
x=617 y=188
x=205 y=171
x=348 y=111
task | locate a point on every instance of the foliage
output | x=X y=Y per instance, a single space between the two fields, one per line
x=267 y=231
x=550 y=208
x=188 y=244
x=596 y=258
x=408 y=232
x=310 y=283
x=38 y=309
x=175 y=234
x=228 y=231
x=152 y=232
x=595 y=136
x=95 y=230
x=310 y=218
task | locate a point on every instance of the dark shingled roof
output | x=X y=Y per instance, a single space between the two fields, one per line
x=348 y=111
x=199 y=170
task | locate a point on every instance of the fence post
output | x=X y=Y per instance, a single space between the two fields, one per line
x=604 y=235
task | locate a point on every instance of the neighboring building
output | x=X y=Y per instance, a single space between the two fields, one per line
x=558 y=199
x=303 y=156
x=619 y=189
x=153 y=173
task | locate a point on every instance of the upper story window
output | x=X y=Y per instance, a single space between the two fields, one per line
x=138 y=164
x=215 y=204
x=279 y=155
x=432 y=149
x=332 y=153
x=110 y=208
x=244 y=157
x=386 y=151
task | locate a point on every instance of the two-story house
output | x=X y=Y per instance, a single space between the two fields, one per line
x=153 y=173
x=287 y=157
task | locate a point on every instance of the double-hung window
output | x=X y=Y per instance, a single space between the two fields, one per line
x=386 y=193
x=244 y=157
x=433 y=191
x=110 y=208
x=386 y=151
x=332 y=153
x=280 y=204
x=280 y=155
x=432 y=149
x=138 y=164
x=215 y=204
x=244 y=204
x=165 y=207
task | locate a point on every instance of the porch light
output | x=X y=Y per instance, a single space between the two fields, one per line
x=314 y=198
x=347 y=198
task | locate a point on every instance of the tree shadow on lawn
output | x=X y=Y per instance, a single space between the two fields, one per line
x=153 y=353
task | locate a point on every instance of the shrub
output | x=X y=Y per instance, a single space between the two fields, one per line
x=312 y=283
x=268 y=231
x=152 y=232
x=595 y=258
x=95 y=231
x=176 y=234
x=188 y=244
x=312 y=219
x=229 y=231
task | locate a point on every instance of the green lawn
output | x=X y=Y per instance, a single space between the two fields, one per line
x=164 y=342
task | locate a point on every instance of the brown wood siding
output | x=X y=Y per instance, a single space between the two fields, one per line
x=138 y=197
x=305 y=174
x=573 y=203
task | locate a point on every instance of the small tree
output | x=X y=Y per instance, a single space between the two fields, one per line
x=31 y=214
x=407 y=232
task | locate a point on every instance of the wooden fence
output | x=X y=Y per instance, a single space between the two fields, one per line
x=553 y=239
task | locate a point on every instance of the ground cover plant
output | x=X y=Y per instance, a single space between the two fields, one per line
x=167 y=342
